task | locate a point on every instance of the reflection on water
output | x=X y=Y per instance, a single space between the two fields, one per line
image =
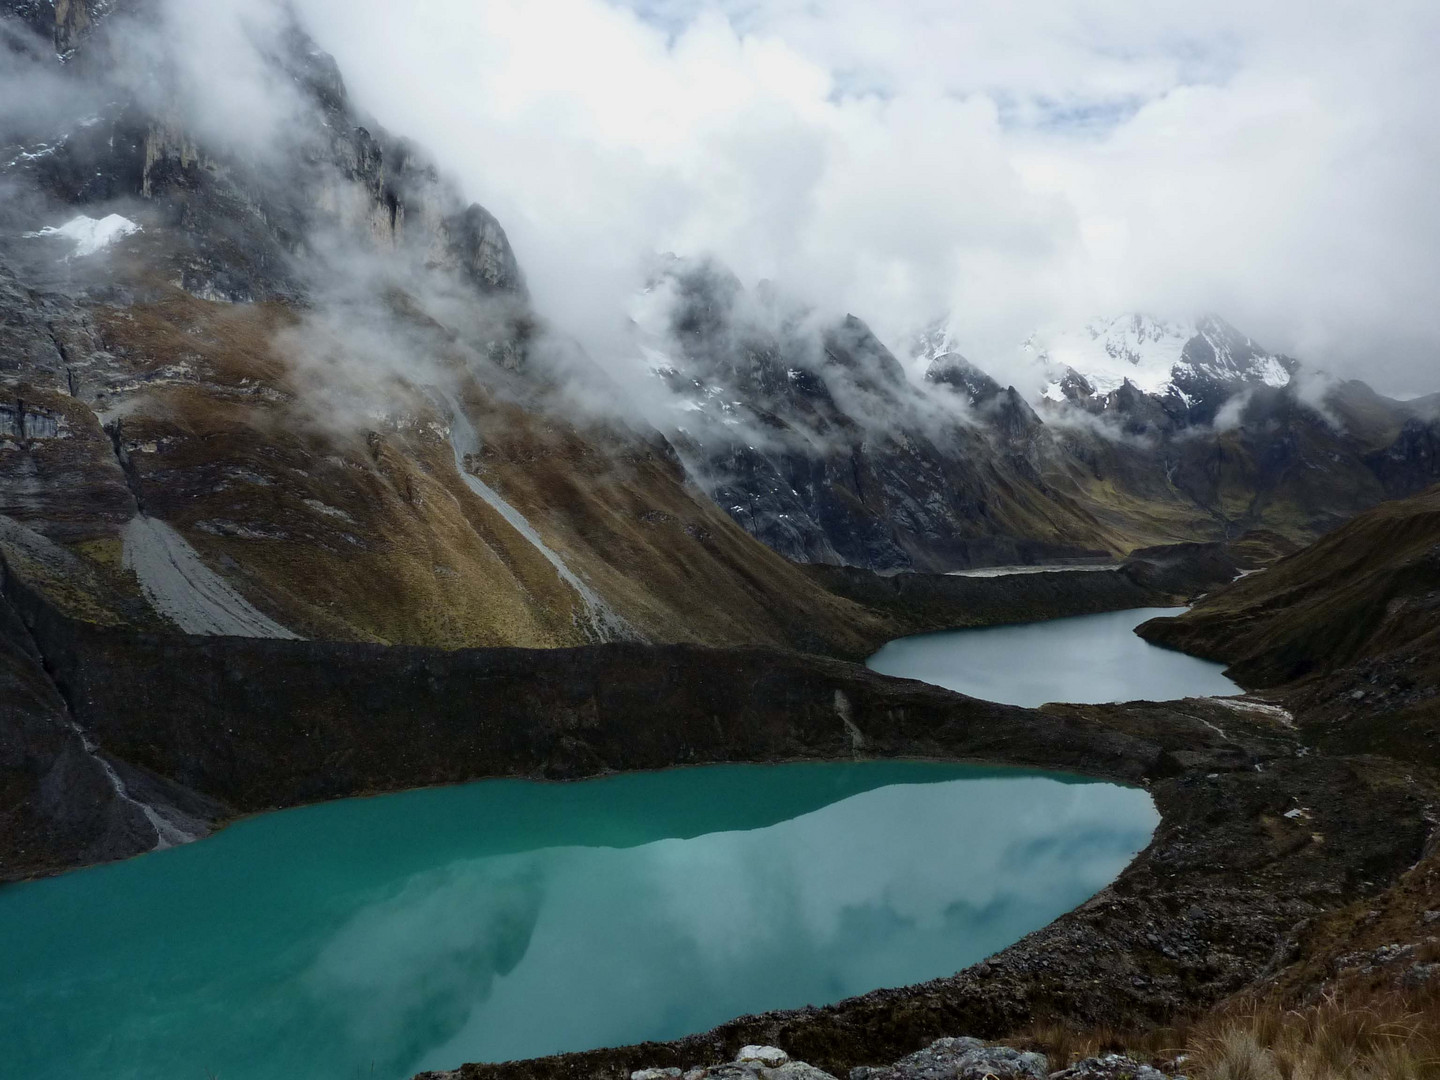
x=499 y=920
x=1088 y=658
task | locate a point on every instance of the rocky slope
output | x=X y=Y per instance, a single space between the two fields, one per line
x=297 y=388
x=1357 y=594
x=917 y=603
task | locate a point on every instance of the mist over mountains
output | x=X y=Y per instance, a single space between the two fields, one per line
x=1021 y=174
x=240 y=308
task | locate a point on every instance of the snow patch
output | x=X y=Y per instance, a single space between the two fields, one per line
x=1272 y=373
x=186 y=591
x=1274 y=712
x=91 y=234
x=1107 y=352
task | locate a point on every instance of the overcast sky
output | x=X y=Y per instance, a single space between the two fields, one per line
x=1017 y=165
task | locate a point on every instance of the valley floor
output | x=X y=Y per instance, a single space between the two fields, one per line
x=1272 y=850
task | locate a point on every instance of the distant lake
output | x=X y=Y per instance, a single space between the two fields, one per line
x=1084 y=659
x=507 y=919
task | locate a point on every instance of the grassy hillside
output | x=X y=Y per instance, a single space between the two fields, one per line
x=1368 y=590
x=1345 y=632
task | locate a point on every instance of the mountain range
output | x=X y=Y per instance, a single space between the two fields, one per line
x=814 y=438
x=300 y=388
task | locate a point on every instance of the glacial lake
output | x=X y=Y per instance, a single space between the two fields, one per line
x=1084 y=659
x=507 y=919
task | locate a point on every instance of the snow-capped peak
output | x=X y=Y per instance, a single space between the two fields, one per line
x=1156 y=356
x=930 y=344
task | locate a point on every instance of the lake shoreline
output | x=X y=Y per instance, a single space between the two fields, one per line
x=684 y=886
x=1204 y=911
x=1094 y=659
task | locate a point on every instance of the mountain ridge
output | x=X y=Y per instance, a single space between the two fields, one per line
x=815 y=439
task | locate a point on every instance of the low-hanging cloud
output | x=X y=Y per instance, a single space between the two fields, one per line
x=1016 y=168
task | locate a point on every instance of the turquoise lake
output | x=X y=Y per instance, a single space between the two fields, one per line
x=504 y=919
x=1085 y=659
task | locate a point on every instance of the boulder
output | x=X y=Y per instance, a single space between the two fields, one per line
x=961 y=1059
x=769 y=1056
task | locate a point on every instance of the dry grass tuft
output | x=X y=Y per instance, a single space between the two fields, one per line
x=1358 y=1033
x=1387 y=1036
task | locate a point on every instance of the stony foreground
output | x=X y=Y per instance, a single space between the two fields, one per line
x=944 y=1059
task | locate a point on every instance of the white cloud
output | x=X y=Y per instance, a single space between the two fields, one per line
x=1018 y=165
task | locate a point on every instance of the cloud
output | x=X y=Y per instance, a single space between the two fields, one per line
x=1017 y=168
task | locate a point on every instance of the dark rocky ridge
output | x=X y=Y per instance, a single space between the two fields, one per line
x=63 y=801
x=257 y=724
x=1150 y=577
x=1370 y=588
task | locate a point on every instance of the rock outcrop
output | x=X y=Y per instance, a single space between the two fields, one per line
x=964 y=1059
